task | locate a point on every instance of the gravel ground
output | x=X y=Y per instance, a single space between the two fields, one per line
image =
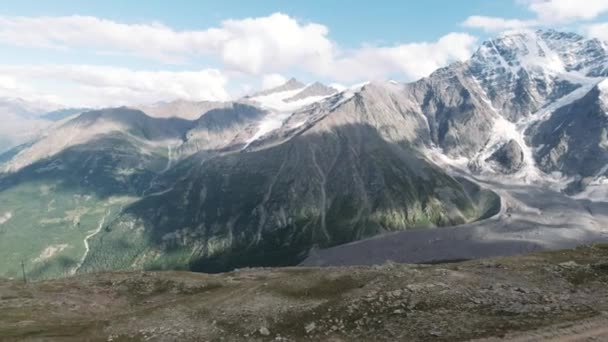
x=559 y=296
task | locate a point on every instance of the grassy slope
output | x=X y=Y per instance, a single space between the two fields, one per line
x=57 y=202
x=48 y=227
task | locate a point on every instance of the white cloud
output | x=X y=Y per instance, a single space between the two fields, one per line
x=12 y=88
x=599 y=31
x=496 y=24
x=274 y=43
x=84 y=85
x=413 y=60
x=273 y=80
x=551 y=11
x=547 y=12
x=251 y=45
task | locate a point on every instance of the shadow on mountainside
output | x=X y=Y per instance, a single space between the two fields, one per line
x=269 y=207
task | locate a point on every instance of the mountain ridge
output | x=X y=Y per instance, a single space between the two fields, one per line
x=280 y=171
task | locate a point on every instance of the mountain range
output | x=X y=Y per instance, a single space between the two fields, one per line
x=492 y=145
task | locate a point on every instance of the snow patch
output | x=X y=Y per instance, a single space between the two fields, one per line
x=545 y=112
x=298 y=124
x=603 y=87
x=5 y=217
x=348 y=94
x=540 y=56
x=596 y=191
x=503 y=131
x=279 y=111
x=50 y=251
x=269 y=123
x=338 y=86
x=276 y=101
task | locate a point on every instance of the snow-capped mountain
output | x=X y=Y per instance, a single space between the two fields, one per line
x=213 y=185
x=510 y=85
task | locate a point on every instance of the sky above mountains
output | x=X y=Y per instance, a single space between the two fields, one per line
x=79 y=53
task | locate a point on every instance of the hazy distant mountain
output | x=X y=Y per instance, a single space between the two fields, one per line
x=60 y=114
x=190 y=110
x=21 y=120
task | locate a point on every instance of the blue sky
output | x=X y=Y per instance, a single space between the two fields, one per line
x=122 y=52
x=350 y=22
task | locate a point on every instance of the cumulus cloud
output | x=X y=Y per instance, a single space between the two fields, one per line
x=413 y=60
x=11 y=87
x=255 y=46
x=275 y=42
x=547 y=12
x=496 y=24
x=250 y=45
x=273 y=80
x=551 y=11
x=599 y=31
x=85 y=85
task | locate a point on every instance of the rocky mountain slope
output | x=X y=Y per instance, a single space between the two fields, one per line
x=508 y=88
x=262 y=180
x=560 y=295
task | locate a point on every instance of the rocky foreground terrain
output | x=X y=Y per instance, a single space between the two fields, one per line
x=558 y=295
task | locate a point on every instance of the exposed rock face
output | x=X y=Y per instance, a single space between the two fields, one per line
x=574 y=139
x=459 y=119
x=509 y=157
x=222 y=129
x=522 y=87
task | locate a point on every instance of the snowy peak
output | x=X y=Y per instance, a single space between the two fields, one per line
x=548 y=51
x=291 y=96
x=524 y=71
x=291 y=84
x=603 y=87
x=315 y=89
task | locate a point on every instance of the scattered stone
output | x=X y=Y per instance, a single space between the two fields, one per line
x=435 y=333
x=568 y=264
x=310 y=327
x=396 y=293
x=264 y=331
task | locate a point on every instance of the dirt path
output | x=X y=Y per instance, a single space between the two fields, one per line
x=86 y=242
x=595 y=329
